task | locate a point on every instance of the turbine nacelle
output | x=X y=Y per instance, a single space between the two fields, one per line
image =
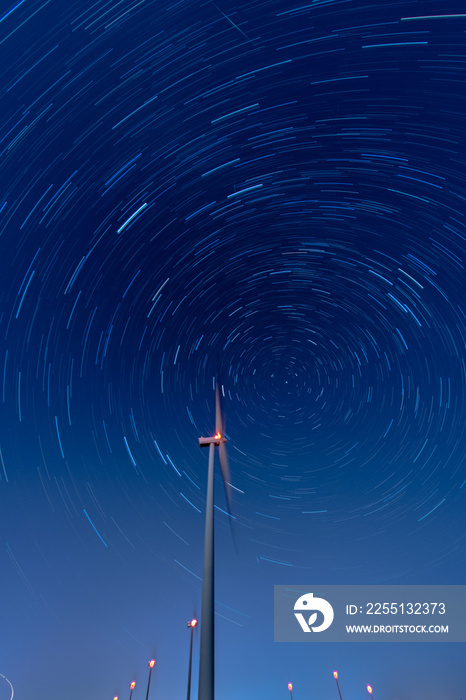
x=216 y=439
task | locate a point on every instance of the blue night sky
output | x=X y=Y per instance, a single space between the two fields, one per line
x=275 y=192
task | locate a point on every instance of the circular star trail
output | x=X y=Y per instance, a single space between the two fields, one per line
x=267 y=193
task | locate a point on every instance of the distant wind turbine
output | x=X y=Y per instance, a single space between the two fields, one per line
x=207 y=643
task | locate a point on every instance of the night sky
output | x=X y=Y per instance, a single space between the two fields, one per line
x=273 y=193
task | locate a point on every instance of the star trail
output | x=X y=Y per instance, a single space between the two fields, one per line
x=271 y=193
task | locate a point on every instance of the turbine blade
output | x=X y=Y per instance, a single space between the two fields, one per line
x=218 y=411
x=224 y=466
x=225 y=469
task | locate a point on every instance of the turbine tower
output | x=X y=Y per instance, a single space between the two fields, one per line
x=207 y=642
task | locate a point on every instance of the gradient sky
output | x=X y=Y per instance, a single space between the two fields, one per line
x=275 y=192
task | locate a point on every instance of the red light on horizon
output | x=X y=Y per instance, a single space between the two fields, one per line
x=133 y=685
x=151 y=663
x=369 y=689
x=290 y=687
x=335 y=675
x=193 y=623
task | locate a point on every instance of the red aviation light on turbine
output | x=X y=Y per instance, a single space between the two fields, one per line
x=369 y=689
x=335 y=675
x=151 y=664
x=133 y=685
x=290 y=687
x=193 y=623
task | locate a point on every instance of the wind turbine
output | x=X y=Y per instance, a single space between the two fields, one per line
x=207 y=642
